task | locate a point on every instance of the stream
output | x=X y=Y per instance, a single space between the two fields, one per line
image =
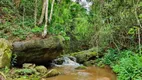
x=90 y=73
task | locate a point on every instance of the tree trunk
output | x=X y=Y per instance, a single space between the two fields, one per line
x=43 y=12
x=46 y=20
x=51 y=12
x=35 y=13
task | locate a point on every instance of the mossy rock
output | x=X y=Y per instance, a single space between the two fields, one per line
x=58 y=61
x=5 y=53
x=41 y=69
x=25 y=71
x=81 y=67
x=84 y=56
x=51 y=73
x=29 y=65
x=89 y=63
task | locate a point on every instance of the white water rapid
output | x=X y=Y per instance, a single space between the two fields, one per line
x=67 y=61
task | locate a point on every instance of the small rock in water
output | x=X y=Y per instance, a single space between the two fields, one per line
x=51 y=73
x=25 y=71
x=28 y=65
x=41 y=69
x=58 y=61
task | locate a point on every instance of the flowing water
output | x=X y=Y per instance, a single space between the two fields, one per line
x=85 y=4
x=90 y=73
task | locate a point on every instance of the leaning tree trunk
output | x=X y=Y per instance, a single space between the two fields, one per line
x=44 y=33
x=38 y=51
x=51 y=11
x=42 y=13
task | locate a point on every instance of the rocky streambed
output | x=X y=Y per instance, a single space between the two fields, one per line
x=31 y=54
x=68 y=70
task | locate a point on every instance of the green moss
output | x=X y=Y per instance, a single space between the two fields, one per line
x=89 y=63
x=84 y=56
x=5 y=53
x=25 y=71
x=41 y=69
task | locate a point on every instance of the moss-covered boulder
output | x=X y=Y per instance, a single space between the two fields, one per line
x=51 y=73
x=38 y=51
x=84 y=56
x=25 y=71
x=41 y=69
x=5 y=53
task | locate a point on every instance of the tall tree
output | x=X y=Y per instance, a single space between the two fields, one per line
x=35 y=13
x=51 y=12
x=45 y=11
x=46 y=19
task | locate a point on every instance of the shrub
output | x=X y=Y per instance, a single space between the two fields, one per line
x=127 y=64
x=129 y=68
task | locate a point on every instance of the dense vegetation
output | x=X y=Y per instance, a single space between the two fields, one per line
x=112 y=26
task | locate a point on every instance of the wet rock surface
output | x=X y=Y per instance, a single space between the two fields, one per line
x=84 y=56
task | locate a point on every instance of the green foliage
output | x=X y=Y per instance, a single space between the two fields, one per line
x=6 y=69
x=37 y=29
x=6 y=10
x=129 y=68
x=133 y=30
x=6 y=3
x=113 y=57
x=110 y=57
x=70 y=17
x=14 y=59
x=25 y=71
x=126 y=64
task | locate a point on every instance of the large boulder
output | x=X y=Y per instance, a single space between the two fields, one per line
x=5 y=53
x=38 y=51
